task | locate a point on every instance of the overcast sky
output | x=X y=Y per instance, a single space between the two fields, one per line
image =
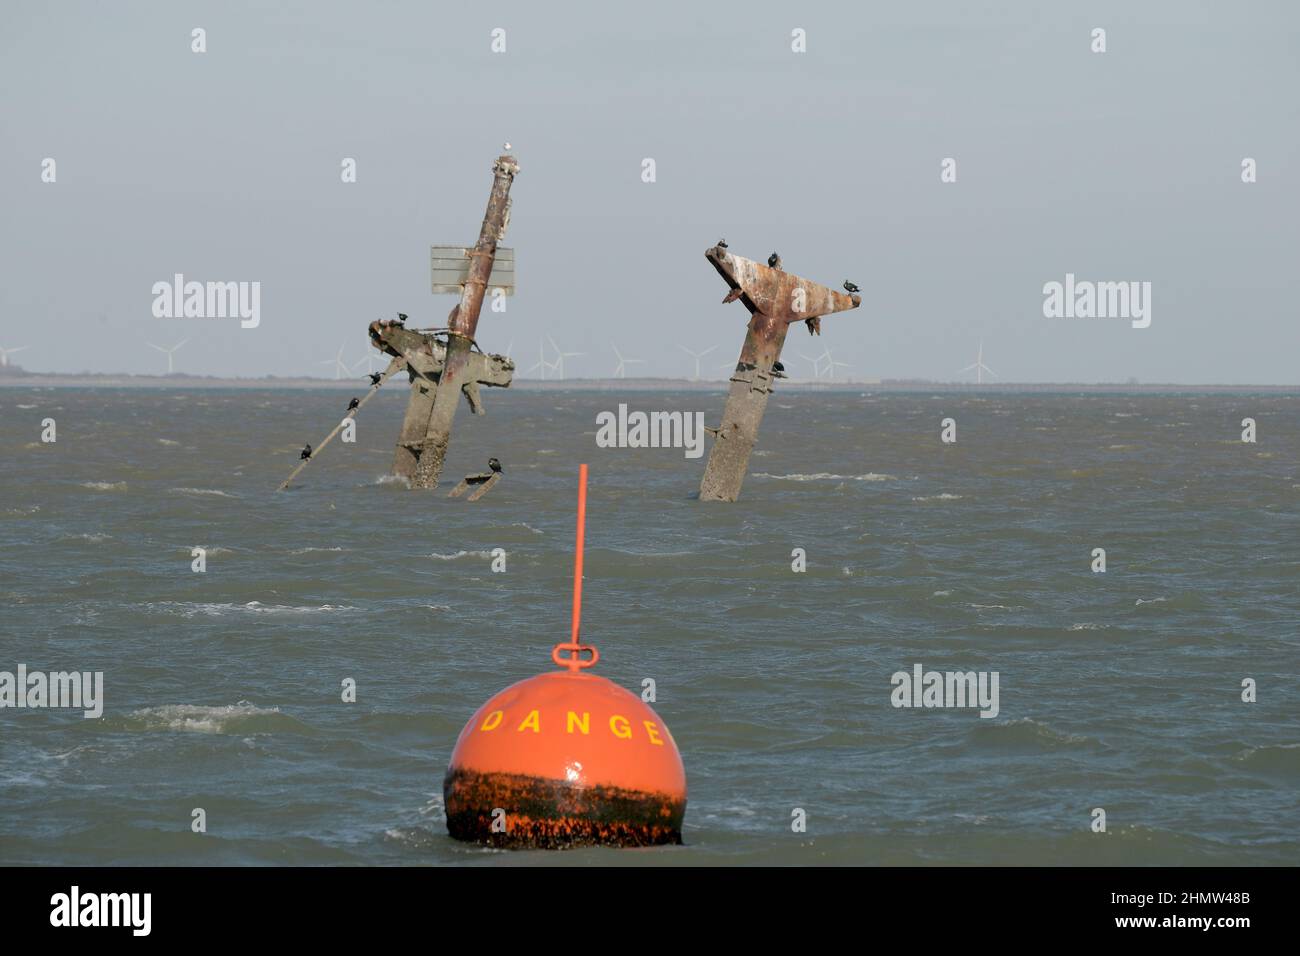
x=225 y=165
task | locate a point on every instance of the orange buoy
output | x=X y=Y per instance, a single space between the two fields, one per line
x=566 y=758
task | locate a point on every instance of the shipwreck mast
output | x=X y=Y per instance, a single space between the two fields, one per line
x=440 y=371
x=775 y=299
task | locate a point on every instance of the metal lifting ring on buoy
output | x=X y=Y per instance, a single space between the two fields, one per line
x=574 y=661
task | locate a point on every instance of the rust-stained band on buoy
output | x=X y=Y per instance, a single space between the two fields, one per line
x=566 y=758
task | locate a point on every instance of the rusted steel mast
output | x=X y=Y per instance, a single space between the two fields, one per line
x=775 y=299
x=441 y=371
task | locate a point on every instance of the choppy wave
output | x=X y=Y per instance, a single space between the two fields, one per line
x=825 y=476
x=1272 y=758
x=202 y=491
x=104 y=485
x=240 y=718
x=461 y=554
x=1024 y=733
x=942 y=497
x=191 y=609
x=309 y=550
x=416 y=838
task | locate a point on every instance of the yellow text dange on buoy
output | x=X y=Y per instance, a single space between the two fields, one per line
x=566 y=758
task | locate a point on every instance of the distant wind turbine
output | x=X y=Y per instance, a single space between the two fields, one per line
x=560 y=356
x=979 y=367
x=619 y=370
x=816 y=364
x=542 y=365
x=169 y=352
x=341 y=369
x=697 y=356
x=5 y=353
x=368 y=360
x=831 y=364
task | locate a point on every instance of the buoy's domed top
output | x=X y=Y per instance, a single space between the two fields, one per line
x=575 y=727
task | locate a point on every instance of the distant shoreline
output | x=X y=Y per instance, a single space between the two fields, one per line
x=193 y=382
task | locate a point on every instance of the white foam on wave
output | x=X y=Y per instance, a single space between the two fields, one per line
x=198 y=718
x=393 y=480
x=826 y=476
x=188 y=609
x=943 y=497
x=26 y=407
x=461 y=554
x=104 y=485
x=1157 y=600
x=83 y=748
x=167 y=441
x=639 y=553
x=201 y=491
x=309 y=550
x=1028 y=728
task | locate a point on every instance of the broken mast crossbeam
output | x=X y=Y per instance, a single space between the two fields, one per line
x=775 y=299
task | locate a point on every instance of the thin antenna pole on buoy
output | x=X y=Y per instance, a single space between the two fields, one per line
x=577 y=556
x=574 y=660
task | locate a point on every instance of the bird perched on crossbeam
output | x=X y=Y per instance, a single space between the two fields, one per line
x=354 y=403
x=774 y=261
x=495 y=465
x=401 y=318
x=305 y=453
x=374 y=378
x=722 y=243
x=850 y=288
